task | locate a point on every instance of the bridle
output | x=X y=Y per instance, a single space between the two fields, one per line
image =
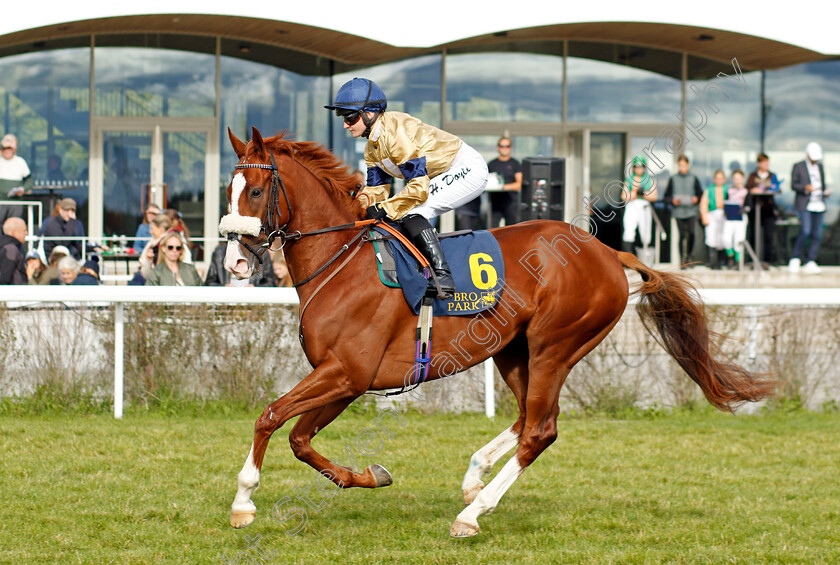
x=273 y=212
x=273 y=215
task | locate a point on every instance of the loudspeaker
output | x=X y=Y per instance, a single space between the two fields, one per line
x=543 y=188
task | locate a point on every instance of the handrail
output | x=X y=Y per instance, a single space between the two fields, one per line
x=287 y=295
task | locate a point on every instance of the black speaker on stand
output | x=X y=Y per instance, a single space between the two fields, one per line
x=543 y=189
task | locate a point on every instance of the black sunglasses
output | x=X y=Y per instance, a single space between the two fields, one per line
x=174 y=247
x=350 y=117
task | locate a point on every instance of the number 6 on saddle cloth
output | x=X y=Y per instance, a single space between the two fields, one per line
x=474 y=258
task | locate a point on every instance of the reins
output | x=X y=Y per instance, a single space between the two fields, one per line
x=274 y=214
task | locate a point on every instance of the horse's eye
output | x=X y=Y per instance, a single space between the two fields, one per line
x=256 y=193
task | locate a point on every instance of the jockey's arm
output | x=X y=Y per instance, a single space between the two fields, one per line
x=370 y=195
x=411 y=161
x=416 y=192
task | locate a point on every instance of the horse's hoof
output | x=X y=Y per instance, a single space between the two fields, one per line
x=472 y=492
x=242 y=518
x=380 y=475
x=463 y=530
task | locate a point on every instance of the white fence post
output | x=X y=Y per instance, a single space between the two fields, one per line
x=119 y=359
x=489 y=388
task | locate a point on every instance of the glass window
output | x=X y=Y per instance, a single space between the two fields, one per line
x=126 y=160
x=523 y=147
x=44 y=101
x=516 y=87
x=606 y=92
x=143 y=81
x=729 y=139
x=272 y=100
x=183 y=174
x=412 y=86
x=802 y=106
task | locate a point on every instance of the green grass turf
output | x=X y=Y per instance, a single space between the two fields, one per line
x=685 y=488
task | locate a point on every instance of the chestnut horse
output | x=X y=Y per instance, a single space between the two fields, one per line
x=564 y=292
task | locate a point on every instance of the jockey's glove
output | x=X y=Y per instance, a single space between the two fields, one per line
x=376 y=212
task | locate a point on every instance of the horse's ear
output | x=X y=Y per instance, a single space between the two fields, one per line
x=238 y=146
x=258 y=142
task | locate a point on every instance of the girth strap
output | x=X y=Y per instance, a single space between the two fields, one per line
x=423 y=354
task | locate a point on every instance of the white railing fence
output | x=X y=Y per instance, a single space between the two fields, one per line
x=27 y=296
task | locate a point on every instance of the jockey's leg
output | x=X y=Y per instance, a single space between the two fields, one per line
x=464 y=181
x=424 y=237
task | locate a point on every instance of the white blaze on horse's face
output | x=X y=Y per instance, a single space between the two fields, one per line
x=236 y=188
x=235 y=262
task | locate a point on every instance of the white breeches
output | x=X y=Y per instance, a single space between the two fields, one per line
x=734 y=233
x=465 y=179
x=638 y=214
x=714 y=229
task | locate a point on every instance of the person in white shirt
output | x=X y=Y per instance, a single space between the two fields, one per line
x=808 y=181
x=15 y=177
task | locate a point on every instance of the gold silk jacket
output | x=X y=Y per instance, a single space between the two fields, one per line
x=402 y=146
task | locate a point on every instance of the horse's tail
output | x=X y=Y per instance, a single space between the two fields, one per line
x=671 y=309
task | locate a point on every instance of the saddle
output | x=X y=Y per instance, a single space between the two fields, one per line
x=474 y=257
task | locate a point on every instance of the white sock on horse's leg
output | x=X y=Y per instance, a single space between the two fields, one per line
x=483 y=460
x=466 y=524
x=243 y=510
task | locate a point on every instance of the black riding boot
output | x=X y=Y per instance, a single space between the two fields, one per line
x=713 y=258
x=628 y=247
x=423 y=235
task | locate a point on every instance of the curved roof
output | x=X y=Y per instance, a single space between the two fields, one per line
x=318 y=50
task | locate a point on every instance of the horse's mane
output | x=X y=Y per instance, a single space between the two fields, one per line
x=330 y=171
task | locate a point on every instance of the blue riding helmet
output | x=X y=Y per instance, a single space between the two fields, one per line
x=360 y=94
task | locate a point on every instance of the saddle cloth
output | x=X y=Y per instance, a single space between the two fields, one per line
x=477 y=268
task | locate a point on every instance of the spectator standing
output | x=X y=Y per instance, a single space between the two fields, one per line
x=683 y=194
x=762 y=185
x=64 y=225
x=808 y=181
x=638 y=213
x=171 y=269
x=144 y=234
x=713 y=217
x=15 y=178
x=505 y=203
x=217 y=275
x=12 y=265
x=735 y=225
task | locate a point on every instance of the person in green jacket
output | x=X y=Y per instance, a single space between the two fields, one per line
x=713 y=218
x=171 y=269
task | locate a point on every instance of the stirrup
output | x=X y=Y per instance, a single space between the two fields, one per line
x=434 y=289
